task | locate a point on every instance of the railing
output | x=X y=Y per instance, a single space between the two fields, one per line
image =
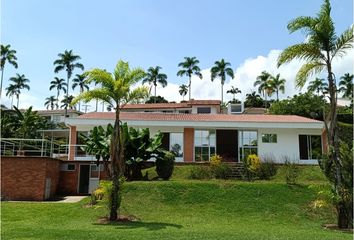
x=43 y=148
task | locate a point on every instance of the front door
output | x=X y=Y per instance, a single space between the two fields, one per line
x=84 y=179
x=227 y=144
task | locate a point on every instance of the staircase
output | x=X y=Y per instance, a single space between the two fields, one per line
x=237 y=168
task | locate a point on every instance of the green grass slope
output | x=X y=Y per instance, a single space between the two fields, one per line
x=180 y=209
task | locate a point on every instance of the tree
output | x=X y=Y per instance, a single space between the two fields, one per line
x=50 y=102
x=12 y=91
x=66 y=102
x=79 y=81
x=115 y=89
x=153 y=77
x=183 y=90
x=7 y=55
x=157 y=99
x=321 y=47
x=305 y=104
x=277 y=84
x=60 y=85
x=233 y=91
x=264 y=86
x=189 y=68
x=254 y=100
x=18 y=83
x=220 y=70
x=318 y=85
x=346 y=85
x=67 y=61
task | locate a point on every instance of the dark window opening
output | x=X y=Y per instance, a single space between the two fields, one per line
x=204 y=110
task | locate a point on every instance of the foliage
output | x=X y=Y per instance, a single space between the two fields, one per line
x=60 y=85
x=277 y=84
x=344 y=195
x=188 y=68
x=201 y=172
x=222 y=171
x=50 y=102
x=267 y=169
x=104 y=193
x=304 y=104
x=322 y=46
x=291 y=171
x=183 y=90
x=221 y=69
x=6 y=55
x=346 y=85
x=115 y=90
x=318 y=85
x=156 y=99
x=19 y=82
x=140 y=147
x=18 y=124
x=165 y=165
x=215 y=160
x=345 y=133
x=251 y=164
x=254 y=100
x=154 y=77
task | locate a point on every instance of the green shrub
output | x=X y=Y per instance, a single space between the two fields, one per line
x=165 y=165
x=222 y=171
x=252 y=164
x=201 y=172
x=291 y=170
x=267 y=169
x=104 y=191
x=215 y=160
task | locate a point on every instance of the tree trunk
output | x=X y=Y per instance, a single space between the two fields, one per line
x=2 y=77
x=57 y=99
x=117 y=162
x=12 y=101
x=190 y=86
x=222 y=92
x=18 y=99
x=67 y=96
x=342 y=217
x=155 y=92
x=96 y=105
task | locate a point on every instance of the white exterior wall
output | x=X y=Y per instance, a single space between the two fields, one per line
x=287 y=144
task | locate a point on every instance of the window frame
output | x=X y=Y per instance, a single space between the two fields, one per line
x=269 y=137
x=242 y=147
x=210 y=148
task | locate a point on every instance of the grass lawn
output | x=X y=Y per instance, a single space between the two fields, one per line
x=182 y=209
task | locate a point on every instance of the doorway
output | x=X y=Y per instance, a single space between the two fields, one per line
x=84 y=179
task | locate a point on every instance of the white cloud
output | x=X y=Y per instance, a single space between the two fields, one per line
x=246 y=74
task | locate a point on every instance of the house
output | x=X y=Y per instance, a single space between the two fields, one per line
x=195 y=129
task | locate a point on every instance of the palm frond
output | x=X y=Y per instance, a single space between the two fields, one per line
x=302 y=51
x=98 y=93
x=304 y=23
x=343 y=43
x=306 y=71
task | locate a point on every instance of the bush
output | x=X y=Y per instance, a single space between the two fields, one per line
x=252 y=165
x=291 y=171
x=104 y=193
x=215 y=160
x=201 y=172
x=267 y=169
x=222 y=171
x=165 y=165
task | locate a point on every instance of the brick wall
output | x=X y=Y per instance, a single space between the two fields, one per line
x=188 y=139
x=23 y=178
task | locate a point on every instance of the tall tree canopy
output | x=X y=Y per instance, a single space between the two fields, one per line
x=189 y=68
x=220 y=70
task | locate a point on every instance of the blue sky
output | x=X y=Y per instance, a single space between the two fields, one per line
x=156 y=32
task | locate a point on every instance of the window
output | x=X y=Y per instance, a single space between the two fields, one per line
x=176 y=144
x=310 y=147
x=204 y=110
x=269 y=138
x=67 y=167
x=57 y=118
x=236 y=108
x=247 y=141
x=184 y=111
x=204 y=144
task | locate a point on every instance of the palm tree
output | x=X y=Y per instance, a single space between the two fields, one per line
x=189 y=68
x=59 y=84
x=7 y=55
x=80 y=82
x=115 y=90
x=253 y=100
x=233 y=91
x=220 y=70
x=183 y=90
x=318 y=85
x=153 y=77
x=50 y=102
x=263 y=83
x=66 y=102
x=67 y=61
x=277 y=84
x=11 y=91
x=321 y=47
x=346 y=85
x=19 y=83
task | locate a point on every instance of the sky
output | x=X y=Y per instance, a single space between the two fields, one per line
x=248 y=34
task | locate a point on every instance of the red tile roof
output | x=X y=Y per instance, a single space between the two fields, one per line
x=186 y=104
x=199 y=117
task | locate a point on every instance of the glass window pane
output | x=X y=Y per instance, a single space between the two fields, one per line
x=316 y=147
